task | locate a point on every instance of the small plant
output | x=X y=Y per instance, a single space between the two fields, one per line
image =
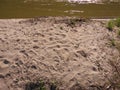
x=53 y=86
x=110 y=25
x=41 y=85
x=35 y=86
x=117 y=22
x=112 y=42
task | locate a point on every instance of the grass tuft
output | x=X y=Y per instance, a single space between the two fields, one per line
x=117 y=22
x=53 y=86
x=41 y=85
x=110 y=25
x=112 y=42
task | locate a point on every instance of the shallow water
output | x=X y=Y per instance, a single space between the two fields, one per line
x=28 y=9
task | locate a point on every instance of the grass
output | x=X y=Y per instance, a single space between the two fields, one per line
x=110 y=25
x=114 y=80
x=112 y=42
x=117 y=22
x=115 y=43
x=41 y=85
x=113 y=23
x=53 y=86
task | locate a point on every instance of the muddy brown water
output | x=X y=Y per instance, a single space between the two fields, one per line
x=29 y=9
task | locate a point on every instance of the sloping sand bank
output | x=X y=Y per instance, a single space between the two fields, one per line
x=67 y=50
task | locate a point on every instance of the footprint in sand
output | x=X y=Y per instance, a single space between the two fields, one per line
x=83 y=53
x=4 y=66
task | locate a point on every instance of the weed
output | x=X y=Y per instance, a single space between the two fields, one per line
x=117 y=22
x=41 y=85
x=35 y=86
x=110 y=25
x=112 y=42
x=53 y=86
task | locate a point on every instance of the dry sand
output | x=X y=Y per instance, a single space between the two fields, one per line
x=54 y=48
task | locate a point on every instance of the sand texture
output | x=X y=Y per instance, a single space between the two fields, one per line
x=54 y=48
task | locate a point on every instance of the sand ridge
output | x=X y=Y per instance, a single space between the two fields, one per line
x=54 y=48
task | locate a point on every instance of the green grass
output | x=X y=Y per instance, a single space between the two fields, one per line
x=114 y=80
x=40 y=85
x=112 y=42
x=110 y=25
x=117 y=22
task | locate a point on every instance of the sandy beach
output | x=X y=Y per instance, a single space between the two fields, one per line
x=72 y=52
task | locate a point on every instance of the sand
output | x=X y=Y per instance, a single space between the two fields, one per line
x=54 y=48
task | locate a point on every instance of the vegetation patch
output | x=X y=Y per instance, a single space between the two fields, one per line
x=110 y=25
x=112 y=42
x=117 y=22
x=114 y=80
x=41 y=85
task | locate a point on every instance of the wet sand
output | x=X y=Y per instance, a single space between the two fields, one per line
x=67 y=50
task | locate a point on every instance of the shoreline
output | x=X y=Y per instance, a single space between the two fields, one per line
x=65 y=17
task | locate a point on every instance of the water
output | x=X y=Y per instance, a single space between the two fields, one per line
x=37 y=8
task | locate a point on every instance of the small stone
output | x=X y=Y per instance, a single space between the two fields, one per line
x=94 y=69
x=6 y=61
x=34 y=67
